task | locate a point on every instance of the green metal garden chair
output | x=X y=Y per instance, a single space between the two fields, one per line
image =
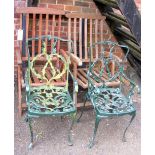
x=109 y=101
x=50 y=97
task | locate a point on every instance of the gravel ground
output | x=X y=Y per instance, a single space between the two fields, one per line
x=51 y=134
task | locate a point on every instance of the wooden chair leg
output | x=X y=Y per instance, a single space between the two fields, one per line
x=19 y=93
x=132 y=118
x=95 y=131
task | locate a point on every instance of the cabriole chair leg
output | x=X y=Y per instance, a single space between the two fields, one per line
x=73 y=117
x=31 y=132
x=95 y=130
x=124 y=134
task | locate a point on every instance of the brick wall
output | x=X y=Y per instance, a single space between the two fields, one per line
x=17 y=3
x=87 y=6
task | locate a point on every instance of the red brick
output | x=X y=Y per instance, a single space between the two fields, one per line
x=58 y=6
x=79 y=3
x=19 y=4
x=16 y=21
x=16 y=15
x=66 y=2
x=88 y=10
x=42 y=5
x=72 y=8
x=92 y=5
x=48 y=1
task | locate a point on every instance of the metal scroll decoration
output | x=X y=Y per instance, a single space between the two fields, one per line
x=48 y=97
x=105 y=98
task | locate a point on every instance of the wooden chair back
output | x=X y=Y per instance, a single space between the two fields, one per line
x=36 y=22
x=85 y=29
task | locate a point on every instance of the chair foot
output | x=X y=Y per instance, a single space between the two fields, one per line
x=30 y=146
x=124 y=134
x=124 y=139
x=78 y=120
x=70 y=142
x=91 y=144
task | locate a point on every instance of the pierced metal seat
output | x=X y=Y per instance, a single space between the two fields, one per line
x=50 y=96
x=109 y=100
x=53 y=101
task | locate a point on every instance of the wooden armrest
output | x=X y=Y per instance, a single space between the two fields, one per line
x=73 y=57
x=19 y=60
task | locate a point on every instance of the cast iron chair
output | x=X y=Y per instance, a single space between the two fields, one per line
x=109 y=101
x=51 y=97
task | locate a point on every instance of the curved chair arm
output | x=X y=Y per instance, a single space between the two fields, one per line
x=133 y=85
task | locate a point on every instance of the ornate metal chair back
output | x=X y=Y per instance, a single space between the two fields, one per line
x=50 y=68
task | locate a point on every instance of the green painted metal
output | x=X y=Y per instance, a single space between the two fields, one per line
x=48 y=99
x=109 y=101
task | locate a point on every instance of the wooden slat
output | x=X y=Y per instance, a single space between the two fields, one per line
x=113 y=68
x=96 y=35
x=85 y=15
x=84 y=73
x=59 y=29
x=37 y=10
x=82 y=84
x=80 y=38
x=36 y=80
x=75 y=47
x=69 y=34
x=53 y=27
x=27 y=28
x=33 y=34
x=85 y=30
x=91 y=37
x=20 y=42
x=40 y=30
x=101 y=32
x=46 y=30
x=83 y=78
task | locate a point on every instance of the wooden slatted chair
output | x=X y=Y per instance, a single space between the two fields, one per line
x=85 y=29
x=36 y=22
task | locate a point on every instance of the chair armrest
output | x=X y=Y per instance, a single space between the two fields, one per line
x=74 y=82
x=73 y=57
x=19 y=58
x=133 y=86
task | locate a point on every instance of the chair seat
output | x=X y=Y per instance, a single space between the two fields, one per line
x=50 y=101
x=111 y=101
x=83 y=81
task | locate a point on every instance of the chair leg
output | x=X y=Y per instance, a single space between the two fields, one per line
x=84 y=104
x=19 y=92
x=31 y=132
x=95 y=130
x=73 y=117
x=124 y=134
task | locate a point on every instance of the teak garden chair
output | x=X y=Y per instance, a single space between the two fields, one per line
x=85 y=29
x=50 y=97
x=107 y=100
x=35 y=22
